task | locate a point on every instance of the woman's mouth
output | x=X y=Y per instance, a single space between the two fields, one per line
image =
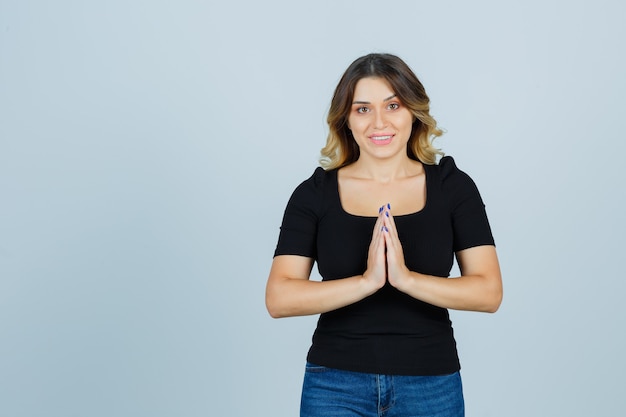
x=381 y=139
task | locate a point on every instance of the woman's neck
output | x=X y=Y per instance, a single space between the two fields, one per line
x=385 y=171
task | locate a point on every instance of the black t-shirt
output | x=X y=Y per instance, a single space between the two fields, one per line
x=388 y=332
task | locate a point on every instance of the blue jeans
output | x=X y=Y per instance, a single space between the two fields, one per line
x=329 y=392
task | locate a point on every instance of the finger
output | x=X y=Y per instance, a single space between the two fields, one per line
x=378 y=242
x=392 y=226
x=392 y=240
x=389 y=224
x=377 y=229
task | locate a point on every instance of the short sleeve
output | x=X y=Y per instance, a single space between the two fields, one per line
x=298 y=232
x=469 y=219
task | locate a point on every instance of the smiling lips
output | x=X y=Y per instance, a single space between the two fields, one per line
x=381 y=139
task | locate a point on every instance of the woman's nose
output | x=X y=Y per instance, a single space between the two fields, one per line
x=379 y=120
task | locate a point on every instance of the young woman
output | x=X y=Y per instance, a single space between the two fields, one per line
x=383 y=221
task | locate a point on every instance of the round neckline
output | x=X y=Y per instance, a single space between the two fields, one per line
x=396 y=216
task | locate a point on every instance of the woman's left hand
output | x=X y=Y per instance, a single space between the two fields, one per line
x=397 y=272
x=479 y=288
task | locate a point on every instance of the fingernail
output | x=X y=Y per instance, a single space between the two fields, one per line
x=388 y=206
x=384 y=229
x=380 y=210
x=387 y=213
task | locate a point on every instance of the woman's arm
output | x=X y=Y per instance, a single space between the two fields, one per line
x=479 y=288
x=289 y=291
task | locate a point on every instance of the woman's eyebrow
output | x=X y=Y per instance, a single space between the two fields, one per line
x=367 y=102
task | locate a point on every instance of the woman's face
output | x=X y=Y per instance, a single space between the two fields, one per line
x=380 y=123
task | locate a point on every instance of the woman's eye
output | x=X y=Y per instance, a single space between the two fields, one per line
x=393 y=106
x=362 y=110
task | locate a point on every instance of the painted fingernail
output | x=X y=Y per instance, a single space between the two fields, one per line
x=387 y=213
x=388 y=206
x=385 y=229
x=380 y=210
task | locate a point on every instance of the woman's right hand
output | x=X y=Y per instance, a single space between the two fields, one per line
x=289 y=291
x=376 y=272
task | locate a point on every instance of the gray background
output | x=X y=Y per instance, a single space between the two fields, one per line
x=148 y=148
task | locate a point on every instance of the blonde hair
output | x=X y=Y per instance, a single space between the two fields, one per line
x=341 y=148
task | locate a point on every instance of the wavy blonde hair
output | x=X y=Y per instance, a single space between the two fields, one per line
x=341 y=148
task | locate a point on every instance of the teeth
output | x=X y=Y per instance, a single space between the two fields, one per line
x=381 y=137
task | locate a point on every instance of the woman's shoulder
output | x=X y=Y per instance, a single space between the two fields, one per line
x=320 y=178
x=455 y=184
x=313 y=187
x=448 y=172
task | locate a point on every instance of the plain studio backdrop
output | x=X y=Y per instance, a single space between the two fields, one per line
x=148 y=149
